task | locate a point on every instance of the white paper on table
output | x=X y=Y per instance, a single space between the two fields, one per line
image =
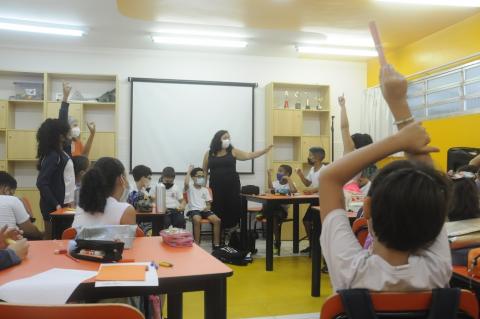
x=151 y=277
x=51 y=287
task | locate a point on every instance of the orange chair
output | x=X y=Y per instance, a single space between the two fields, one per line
x=360 y=229
x=71 y=233
x=73 y=311
x=397 y=302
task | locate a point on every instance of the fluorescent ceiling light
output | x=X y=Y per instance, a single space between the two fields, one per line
x=200 y=33
x=40 y=29
x=205 y=42
x=337 y=51
x=449 y=3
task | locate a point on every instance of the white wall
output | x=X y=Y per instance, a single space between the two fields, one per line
x=343 y=77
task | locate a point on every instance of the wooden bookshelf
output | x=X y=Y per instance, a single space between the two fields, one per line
x=21 y=116
x=294 y=130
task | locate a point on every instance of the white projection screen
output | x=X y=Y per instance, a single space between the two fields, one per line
x=173 y=121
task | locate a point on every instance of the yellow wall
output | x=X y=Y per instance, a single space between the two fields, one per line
x=453 y=43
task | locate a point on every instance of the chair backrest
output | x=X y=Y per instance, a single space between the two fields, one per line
x=71 y=233
x=73 y=311
x=360 y=229
x=250 y=190
x=406 y=303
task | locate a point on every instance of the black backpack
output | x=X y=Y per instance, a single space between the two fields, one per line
x=252 y=236
x=232 y=256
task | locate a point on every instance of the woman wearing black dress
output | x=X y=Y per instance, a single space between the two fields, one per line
x=220 y=164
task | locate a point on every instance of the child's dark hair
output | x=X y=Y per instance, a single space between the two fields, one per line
x=409 y=204
x=195 y=171
x=468 y=168
x=168 y=172
x=369 y=171
x=98 y=184
x=216 y=143
x=360 y=140
x=80 y=163
x=317 y=151
x=140 y=171
x=465 y=200
x=48 y=137
x=287 y=169
x=7 y=180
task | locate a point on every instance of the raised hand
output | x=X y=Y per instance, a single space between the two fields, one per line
x=190 y=169
x=66 y=90
x=299 y=171
x=393 y=84
x=91 y=127
x=414 y=139
x=341 y=100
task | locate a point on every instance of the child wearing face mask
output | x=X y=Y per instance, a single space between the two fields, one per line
x=283 y=185
x=175 y=203
x=102 y=188
x=199 y=204
x=316 y=156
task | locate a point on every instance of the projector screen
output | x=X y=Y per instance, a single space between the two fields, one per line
x=174 y=121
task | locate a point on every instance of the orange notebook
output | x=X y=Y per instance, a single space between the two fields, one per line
x=121 y=273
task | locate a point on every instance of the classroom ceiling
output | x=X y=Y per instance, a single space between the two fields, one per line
x=272 y=27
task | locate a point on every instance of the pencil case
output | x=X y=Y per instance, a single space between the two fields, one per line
x=103 y=251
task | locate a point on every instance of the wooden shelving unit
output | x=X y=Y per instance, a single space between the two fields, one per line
x=294 y=130
x=20 y=119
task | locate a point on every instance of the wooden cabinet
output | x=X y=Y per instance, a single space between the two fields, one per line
x=103 y=144
x=33 y=196
x=3 y=165
x=3 y=114
x=287 y=123
x=21 y=145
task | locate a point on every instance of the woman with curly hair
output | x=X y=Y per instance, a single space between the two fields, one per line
x=56 y=177
x=102 y=188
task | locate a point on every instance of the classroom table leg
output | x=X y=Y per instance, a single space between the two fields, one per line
x=175 y=306
x=54 y=222
x=295 y=228
x=243 y=223
x=316 y=255
x=215 y=299
x=269 y=253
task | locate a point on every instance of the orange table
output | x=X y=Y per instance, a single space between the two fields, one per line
x=194 y=270
x=62 y=220
x=461 y=279
x=269 y=202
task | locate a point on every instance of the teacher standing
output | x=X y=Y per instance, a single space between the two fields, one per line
x=220 y=163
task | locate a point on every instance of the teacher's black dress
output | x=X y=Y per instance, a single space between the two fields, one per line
x=225 y=185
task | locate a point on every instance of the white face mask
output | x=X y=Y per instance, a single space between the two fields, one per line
x=225 y=144
x=75 y=132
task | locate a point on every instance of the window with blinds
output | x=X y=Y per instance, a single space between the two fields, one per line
x=452 y=92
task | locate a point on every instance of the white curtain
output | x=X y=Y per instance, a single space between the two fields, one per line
x=375 y=116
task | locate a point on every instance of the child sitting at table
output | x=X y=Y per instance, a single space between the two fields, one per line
x=12 y=253
x=175 y=203
x=406 y=209
x=283 y=185
x=199 y=204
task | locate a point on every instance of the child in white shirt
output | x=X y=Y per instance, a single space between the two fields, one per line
x=406 y=208
x=199 y=204
x=175 y=203
x=283 y=185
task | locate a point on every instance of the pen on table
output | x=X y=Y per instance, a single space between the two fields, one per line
x=165 y=264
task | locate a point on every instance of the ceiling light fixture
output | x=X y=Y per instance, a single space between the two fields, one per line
x=24 y=27
x=198 y=41
x=449 y=3
x=336 y=51
x=200 y=33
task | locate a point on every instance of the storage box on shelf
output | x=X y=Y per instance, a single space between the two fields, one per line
x=28 y=98
x=298 y=118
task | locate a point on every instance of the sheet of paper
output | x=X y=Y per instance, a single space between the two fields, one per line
x=463 y=227
x=151 y=278
x=125 y=272
x=51 y=287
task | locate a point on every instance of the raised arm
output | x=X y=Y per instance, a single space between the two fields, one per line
x=412 y=139
x=88 y=145
x=186 y=182
x=304 y=180
x=245 y=156
x=348 y=145
x=63 y=112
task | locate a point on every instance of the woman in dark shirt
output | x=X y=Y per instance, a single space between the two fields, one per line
x=220 y=162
